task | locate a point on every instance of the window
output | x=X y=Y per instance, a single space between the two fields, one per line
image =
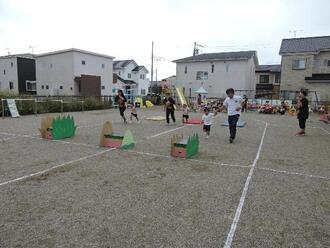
x=129 y=75
x=202 y=75
x=185 y=70
x=119 y=73
x=4 y=72
x=61 y=87
x=47 y=87
x=11 y=64
x=83 y=62
x=277 y=78
x=42 y=87
x=141 y=76
x=143 y=92
x=31 y=86
x=103 y=66
x=212 y=68
x=11 y=85
x=328 y=62
x=103 y=87
x=71 y=88
x=264 y=79
x=299 y=64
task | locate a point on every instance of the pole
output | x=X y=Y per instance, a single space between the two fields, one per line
x=3 y=108
x=152 y=62
x=35 y=106
x=194 y=53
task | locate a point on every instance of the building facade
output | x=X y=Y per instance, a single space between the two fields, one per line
x=74 y=72
x=216 y=72
x=306 y=64
x=132 y=78
x=18 y=74
x=268 y=79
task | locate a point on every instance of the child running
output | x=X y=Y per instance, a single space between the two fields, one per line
x=185 y=113
x=207 y=120
x=134 y=113
x=233 y=104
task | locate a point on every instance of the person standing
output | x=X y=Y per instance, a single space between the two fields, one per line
x=245 y=103
x=121 y=100
x=169 y=109
x=233 y=104
x=303 y=112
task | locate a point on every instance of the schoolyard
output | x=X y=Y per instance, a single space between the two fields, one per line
x=268 y=189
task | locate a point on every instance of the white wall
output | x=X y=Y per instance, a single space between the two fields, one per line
x=93 y=66
x=10 y=76
x=54 y=71
x=143 y=84
x=239 y=75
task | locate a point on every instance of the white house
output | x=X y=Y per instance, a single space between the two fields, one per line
x=18 y=74
x=130 y=77
x=216 y=72
x=74 y=72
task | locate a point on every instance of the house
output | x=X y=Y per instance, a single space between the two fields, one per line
x=18 y=74
x=131 y=78
x=74 y=72
x=216 y=72
x=268 y=81
x=306 y=64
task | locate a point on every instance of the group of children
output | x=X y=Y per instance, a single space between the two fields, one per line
x=233 y=103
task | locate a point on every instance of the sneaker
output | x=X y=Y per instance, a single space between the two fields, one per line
x=301 y=133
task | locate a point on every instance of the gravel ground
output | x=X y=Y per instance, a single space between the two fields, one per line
x=145 y=198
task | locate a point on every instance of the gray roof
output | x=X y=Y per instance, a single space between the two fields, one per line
x=268 y=68
x=22 y=55
x=118 y=64
x=305 y=45
x=242 y=55
x=140 y=67
x=74 y=50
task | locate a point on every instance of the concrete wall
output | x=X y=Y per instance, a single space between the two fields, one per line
x=294 y=80
x=54 y=71
x=10 y=74
x=239 y=75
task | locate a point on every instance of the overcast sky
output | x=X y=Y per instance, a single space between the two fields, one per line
x=125 y=28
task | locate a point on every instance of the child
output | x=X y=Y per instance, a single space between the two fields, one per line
x=303 y=112
x=134 y=113
x=233 y=104
x=185 y=114
x=207 y=120
x=169 y=108
x=121 y=100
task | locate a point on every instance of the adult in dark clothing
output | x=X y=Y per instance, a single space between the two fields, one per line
x=199 y=100
x=121 y=100
x=245 y=103
x=169 y=108
x=303 y=112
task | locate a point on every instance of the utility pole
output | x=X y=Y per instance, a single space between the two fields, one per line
x=152 y=62
x=196 y=48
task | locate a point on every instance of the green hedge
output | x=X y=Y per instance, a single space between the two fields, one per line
x=48 y=106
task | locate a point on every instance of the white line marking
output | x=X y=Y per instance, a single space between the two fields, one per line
x=54 y=167
x=324 y=130
x=233 y=227
x=292 y=173
x=69 y=162
x=188 y=159
x=165 y=132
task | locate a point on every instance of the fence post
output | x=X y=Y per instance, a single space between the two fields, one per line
x=82 y=105
x=61 y=106
x=35 y=106
x=3 y=108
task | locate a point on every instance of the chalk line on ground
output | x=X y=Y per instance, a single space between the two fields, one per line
x=233 y=227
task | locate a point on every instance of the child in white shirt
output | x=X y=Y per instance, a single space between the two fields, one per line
x=185 y=113
x=207 y=120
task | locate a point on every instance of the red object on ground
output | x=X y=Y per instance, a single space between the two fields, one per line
x=112 y=143
x=49 y=135
x=179 y=152
x=325 y=118
x=194 y=121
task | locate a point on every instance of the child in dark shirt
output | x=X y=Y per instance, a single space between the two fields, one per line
x=303 y=112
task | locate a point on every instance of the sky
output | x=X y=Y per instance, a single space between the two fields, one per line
x=125 y=29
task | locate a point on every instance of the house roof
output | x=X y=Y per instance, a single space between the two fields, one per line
x=305 y=45
x=74 y=50
x=139 y=68
x=128 y=82
x=268 y=68
x=242 y=55
x=22 y=55
x=118 y=64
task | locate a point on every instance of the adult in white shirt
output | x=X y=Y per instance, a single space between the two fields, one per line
x=233 y=104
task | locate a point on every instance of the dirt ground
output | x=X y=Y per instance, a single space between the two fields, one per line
x=268 y=189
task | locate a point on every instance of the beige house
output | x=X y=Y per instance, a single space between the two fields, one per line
x=306 y=64
x=268 y=78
